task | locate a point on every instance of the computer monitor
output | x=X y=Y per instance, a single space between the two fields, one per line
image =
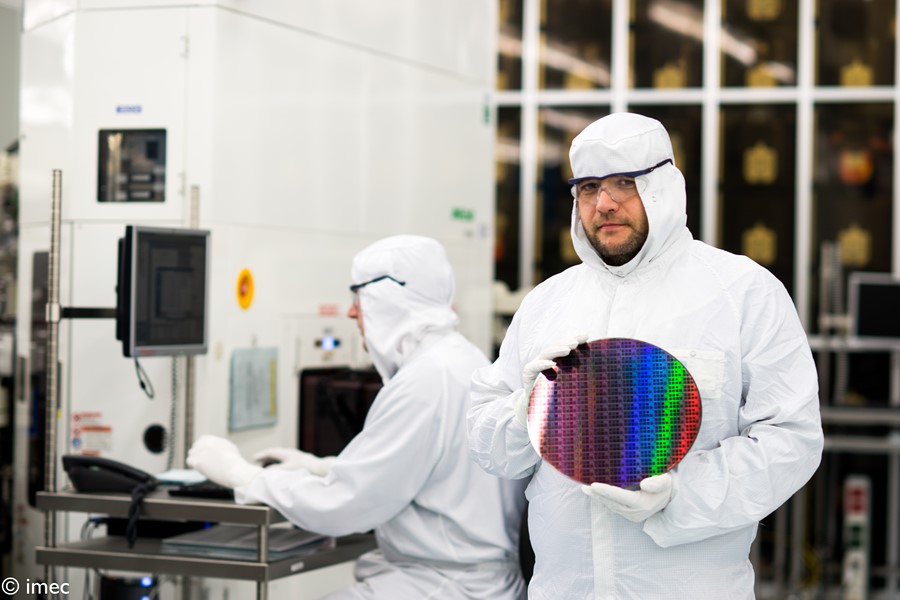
x=874 y=305
x=333 y=407
x=161 y=307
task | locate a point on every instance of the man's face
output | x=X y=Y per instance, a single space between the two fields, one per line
x=613 y=218
x=355 y=312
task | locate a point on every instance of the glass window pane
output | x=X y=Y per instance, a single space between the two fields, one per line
x=685 y=127
x=757 y=185
x=509 y=56
x=667 y=43
x=853 y=184
x=506 y=220
x=557 y=127
x=855 y=41
x=759 y=43
x=575 y=44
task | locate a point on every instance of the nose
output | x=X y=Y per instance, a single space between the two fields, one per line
x=352 y=312
x=605 y=202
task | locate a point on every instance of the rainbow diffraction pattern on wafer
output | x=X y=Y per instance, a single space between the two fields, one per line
x=616 y=411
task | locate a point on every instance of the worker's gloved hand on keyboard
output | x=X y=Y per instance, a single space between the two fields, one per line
x=292 y=459
x=220 y=461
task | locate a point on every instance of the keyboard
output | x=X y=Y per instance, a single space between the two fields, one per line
x=203 y=489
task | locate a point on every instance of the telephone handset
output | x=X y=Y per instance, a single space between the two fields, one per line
x=98 y=474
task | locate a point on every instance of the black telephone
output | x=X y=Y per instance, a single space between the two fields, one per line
x=98 y=474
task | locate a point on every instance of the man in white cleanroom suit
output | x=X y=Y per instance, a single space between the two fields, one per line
x=686 y=533
x=445 y=528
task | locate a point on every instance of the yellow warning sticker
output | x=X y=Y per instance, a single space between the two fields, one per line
x=245 y=288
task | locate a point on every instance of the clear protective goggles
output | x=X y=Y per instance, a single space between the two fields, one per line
x=618 y=188
x=354 y=289
x=621 y=186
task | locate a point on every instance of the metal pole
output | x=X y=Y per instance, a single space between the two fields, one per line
x=188 y=436
x=262 y=554
x=779 y=558
x=189 y=362
x=188 y=406
x=50 y=402
x=798 y=539
x=893 y=490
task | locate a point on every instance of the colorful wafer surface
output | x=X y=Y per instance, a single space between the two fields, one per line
x=614 y=410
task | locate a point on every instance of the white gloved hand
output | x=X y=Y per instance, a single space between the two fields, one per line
x=292 y=459
x=637 y=505
x=545 y=360
x=520 y=408
x=220 y=461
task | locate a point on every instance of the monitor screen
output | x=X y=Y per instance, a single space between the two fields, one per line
x=874 y=302
x=161 y=308
x=333 y=407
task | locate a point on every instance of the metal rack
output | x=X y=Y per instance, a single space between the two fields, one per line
x=112 y=552
x=836 y=413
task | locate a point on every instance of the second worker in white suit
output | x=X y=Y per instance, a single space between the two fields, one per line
x=445 y=529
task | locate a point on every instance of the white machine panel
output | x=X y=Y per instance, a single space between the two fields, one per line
x=46 y=106
x=41 y=12
x=305 y=130
x=376 y=148
x=446 y=36
x=141 y=85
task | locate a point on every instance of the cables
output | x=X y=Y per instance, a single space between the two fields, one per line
x=87 y=530
x=134 y=510
x=143 y=379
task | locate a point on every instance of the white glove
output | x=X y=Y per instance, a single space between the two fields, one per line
x=545 y=360
x=220 y=461
x=520 y=407
x=637 y=505
x=292 y=459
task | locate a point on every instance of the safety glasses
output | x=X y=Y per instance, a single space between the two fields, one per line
x=619 y=189
x=631 y=174
x=354 y=289
x=356 y=286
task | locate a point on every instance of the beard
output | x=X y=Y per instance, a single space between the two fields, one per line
x=620 y=254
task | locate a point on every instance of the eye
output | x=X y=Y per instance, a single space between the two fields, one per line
x=625 y=183
x=588 y=187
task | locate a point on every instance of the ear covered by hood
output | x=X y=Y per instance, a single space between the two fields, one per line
x=400 y=311
x=632 y=144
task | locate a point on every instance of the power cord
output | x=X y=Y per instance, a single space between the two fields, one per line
x=134 y=510
x=143 y=379
x=87 y=530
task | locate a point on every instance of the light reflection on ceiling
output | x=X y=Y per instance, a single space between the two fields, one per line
x=558 y=56
x=688 y=21
x=679 y=17
x=552 y=151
